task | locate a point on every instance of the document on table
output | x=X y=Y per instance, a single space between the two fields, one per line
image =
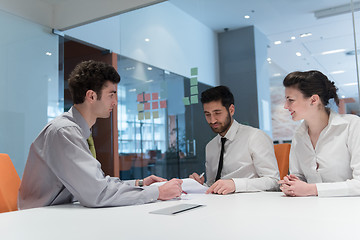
x=189 y=185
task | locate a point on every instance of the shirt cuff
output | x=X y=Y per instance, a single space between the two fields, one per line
x=337 y=189
x=151 y=193
x=240 y=184
x=130 y=182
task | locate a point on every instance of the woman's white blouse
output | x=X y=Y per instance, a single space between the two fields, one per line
x=334 y=164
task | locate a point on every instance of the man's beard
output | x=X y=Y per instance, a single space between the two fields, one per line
x=226 y=126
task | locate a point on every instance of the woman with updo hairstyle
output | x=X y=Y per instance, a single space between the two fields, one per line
x=325 y=150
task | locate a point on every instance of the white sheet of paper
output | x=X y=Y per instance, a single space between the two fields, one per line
x=189 y=185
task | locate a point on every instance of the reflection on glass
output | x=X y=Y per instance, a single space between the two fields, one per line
x=324 y=41
x=151 y=121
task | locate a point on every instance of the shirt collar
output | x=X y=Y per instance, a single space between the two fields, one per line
x=230 y=135
x=80 y=120
x=334 y=120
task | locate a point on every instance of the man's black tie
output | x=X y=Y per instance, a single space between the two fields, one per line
x=221 y=160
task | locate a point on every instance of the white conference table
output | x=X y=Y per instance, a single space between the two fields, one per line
x=262 y=215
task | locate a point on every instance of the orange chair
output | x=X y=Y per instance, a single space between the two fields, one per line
x=282 y=152
x=9 y=184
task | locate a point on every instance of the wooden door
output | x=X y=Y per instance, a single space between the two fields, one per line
x=105 y=131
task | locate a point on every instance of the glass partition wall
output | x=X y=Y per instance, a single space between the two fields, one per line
x=155 y=130
x=158 y=132
x=321 y=38
x=302 y=35
x=158 y=123
x=144 y=119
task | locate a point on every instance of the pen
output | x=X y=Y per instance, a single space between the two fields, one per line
x=184 y=192
x=201 y=175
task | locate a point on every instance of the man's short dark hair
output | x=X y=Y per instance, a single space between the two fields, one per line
x=90 y=75
x=222 y=93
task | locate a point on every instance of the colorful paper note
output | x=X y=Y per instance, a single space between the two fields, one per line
x=146 y=106
x=141 y=116
x=186 y=101
x=147 y=96
x=147 y=115
x=155 y=105
x=140 y=97
x=163 y=104
x=140 y=107
x=194 y=90
x=194 y=99
x=193 y=81
x=155 y=114
x=194 y=71
x=155 y=96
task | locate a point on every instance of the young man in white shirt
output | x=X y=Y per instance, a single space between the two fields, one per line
x=248 y=161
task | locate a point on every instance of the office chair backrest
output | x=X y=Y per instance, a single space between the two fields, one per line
x=9 y=184
x=282 y=152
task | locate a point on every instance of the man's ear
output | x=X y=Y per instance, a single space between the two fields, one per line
x=90 y=95
x=232 y=109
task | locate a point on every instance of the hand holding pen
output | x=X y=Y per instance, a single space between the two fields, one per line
x=198 y=178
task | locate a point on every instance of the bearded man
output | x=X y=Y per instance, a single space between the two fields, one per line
x=240 y=158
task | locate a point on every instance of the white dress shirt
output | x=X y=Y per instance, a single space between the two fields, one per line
x=61 y=169
x=334 y=164
x=249 y=159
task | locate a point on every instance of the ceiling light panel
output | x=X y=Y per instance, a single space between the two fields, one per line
x=333 y=51
x=337 y=10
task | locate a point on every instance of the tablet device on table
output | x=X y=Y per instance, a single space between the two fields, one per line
x=176 y=209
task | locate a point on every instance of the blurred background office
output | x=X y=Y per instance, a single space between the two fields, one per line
x=167 y=53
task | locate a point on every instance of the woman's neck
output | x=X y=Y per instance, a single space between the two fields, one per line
x=317 y=122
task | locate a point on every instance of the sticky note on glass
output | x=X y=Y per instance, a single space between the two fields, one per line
x=140 y=107
x=147 y=115
x=155 y=96
x=163 y=104
x=194 y=90
x=194 y=71
x=141 y=116
x=194 y=99
x=140 y=97
x=155 y=114
x=147 y=106
x=155 y=105
x=193 y=81
x=186 y=101
x=147 y=96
